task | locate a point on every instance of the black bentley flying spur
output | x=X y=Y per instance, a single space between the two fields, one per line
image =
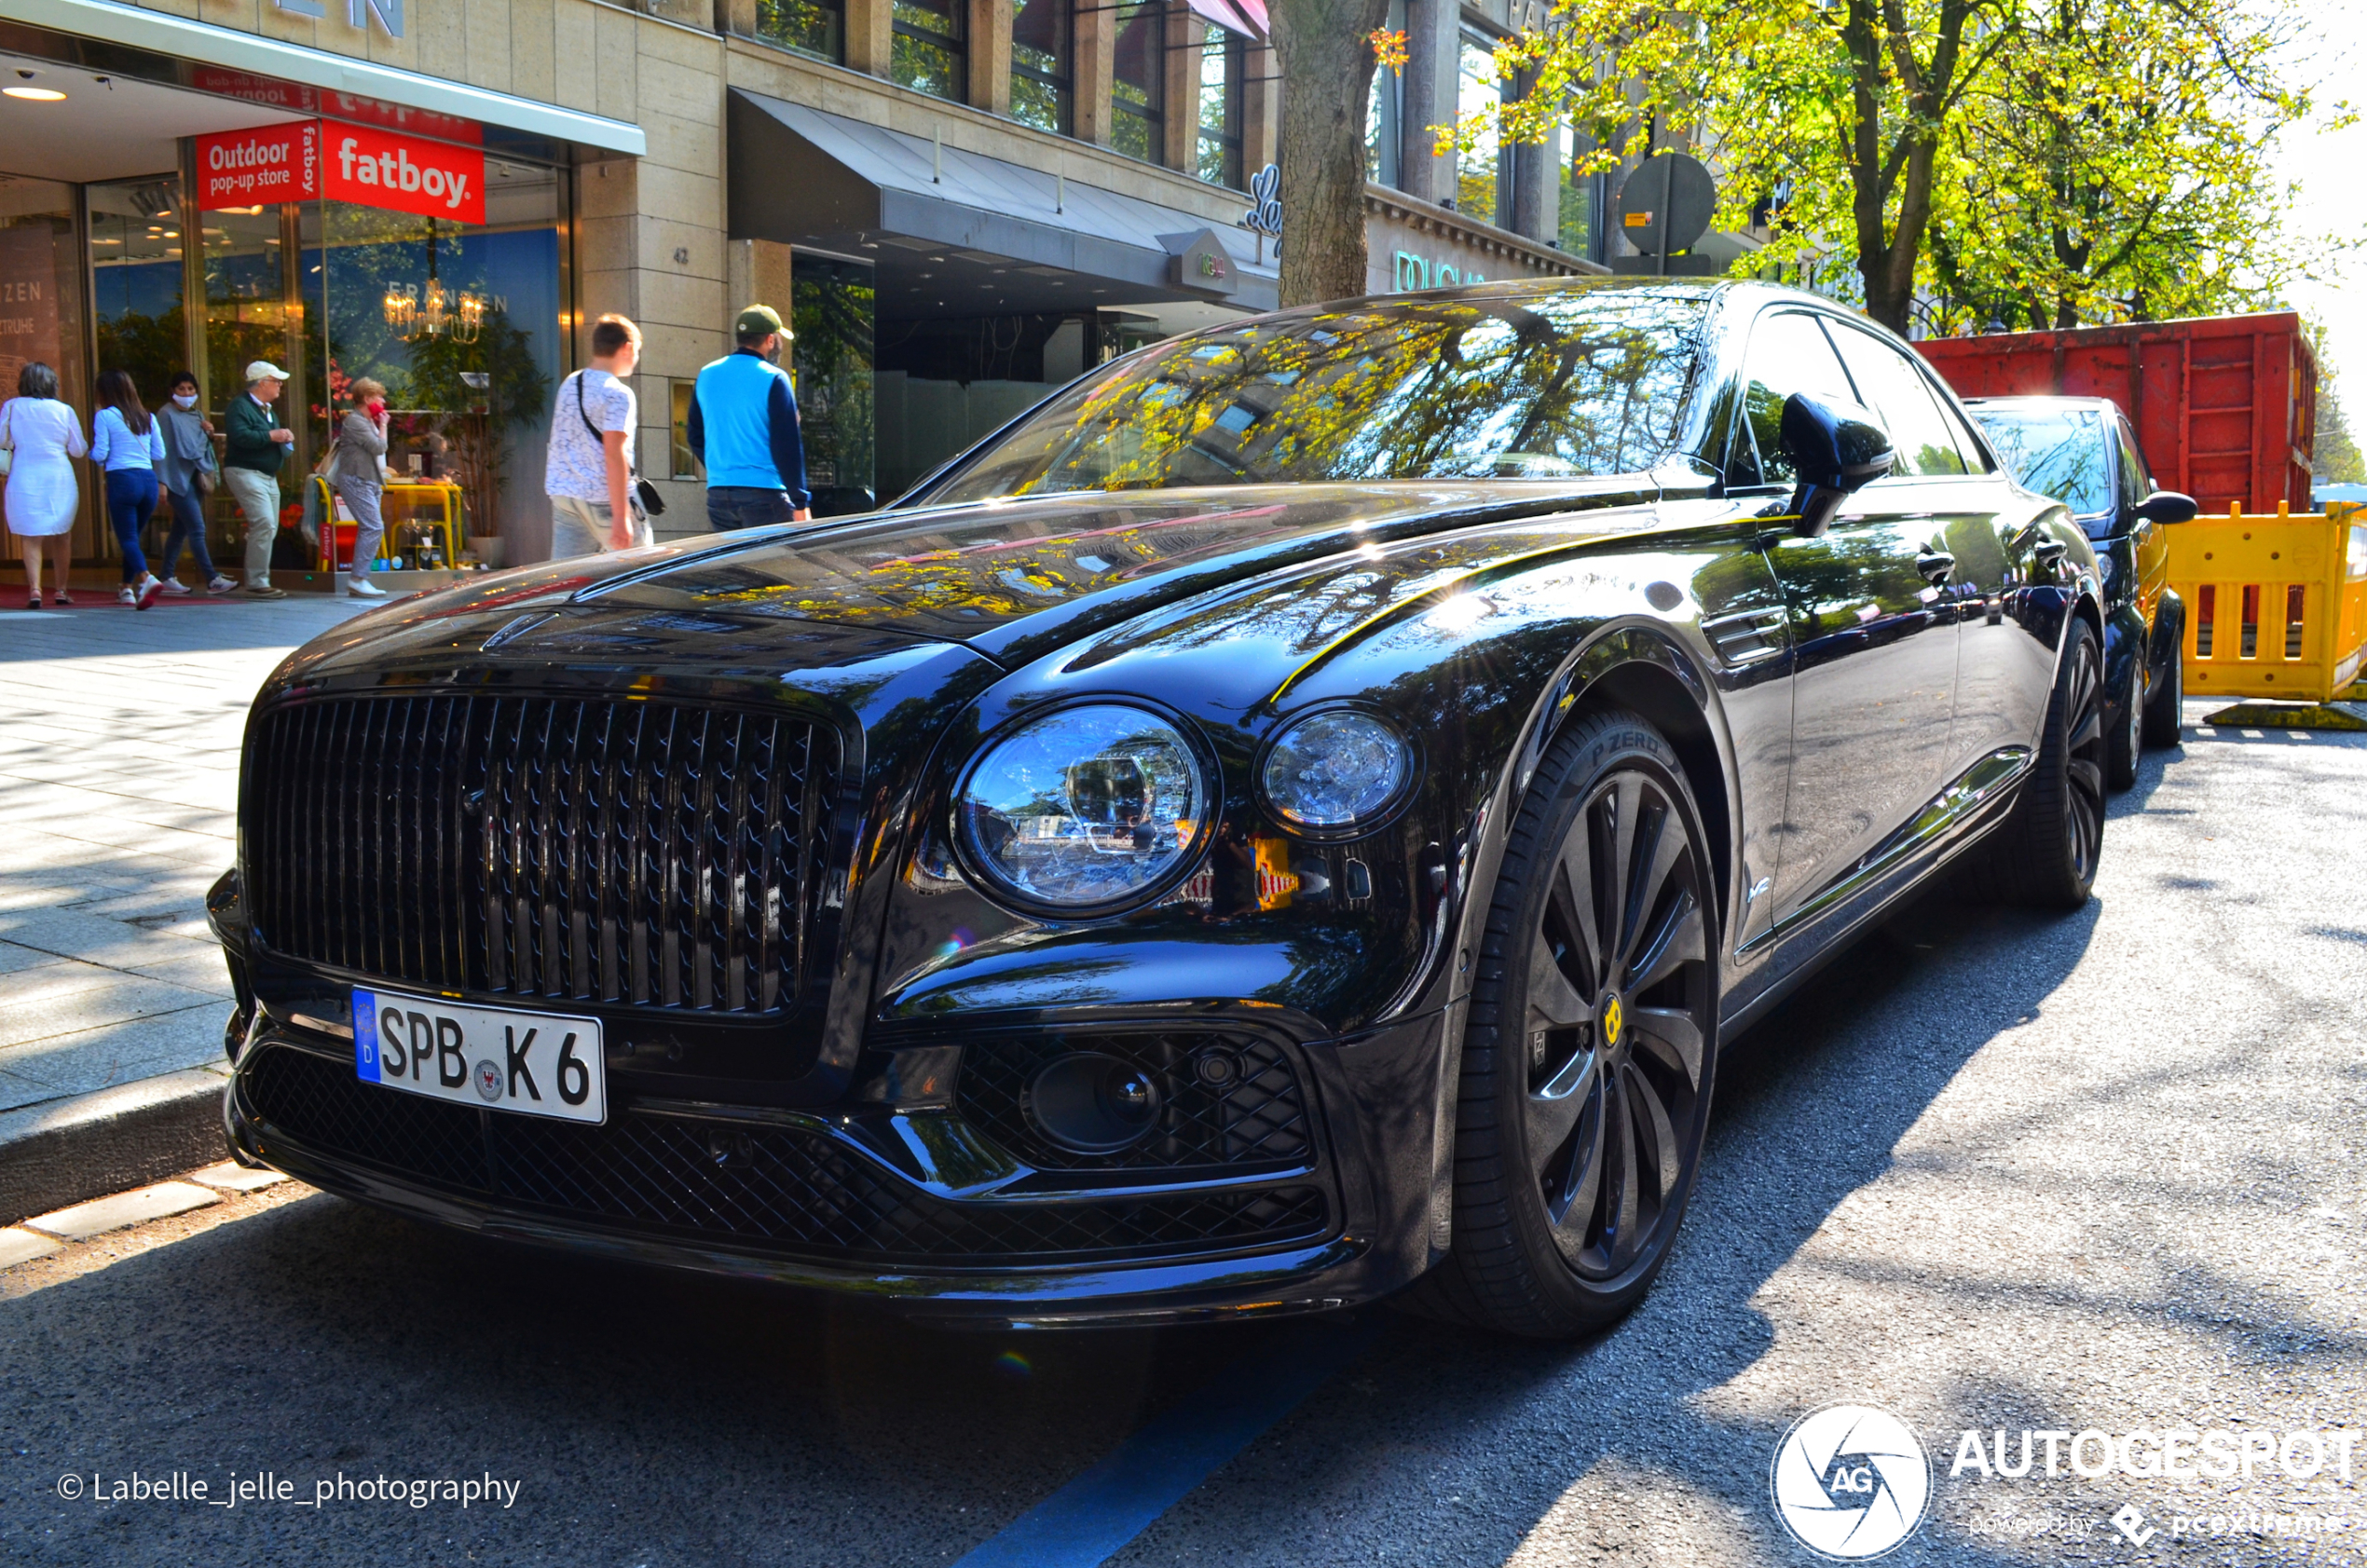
x=1287 y=821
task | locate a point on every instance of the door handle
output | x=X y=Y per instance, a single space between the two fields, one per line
x=1936 y=565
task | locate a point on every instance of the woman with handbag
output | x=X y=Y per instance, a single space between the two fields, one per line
x=354 y=468
x=42 y=434
x=188 y=475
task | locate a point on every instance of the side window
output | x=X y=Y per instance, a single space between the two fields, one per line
x=1788 y=354
x=2135 y=483
x=1968 y=443
x=1894 y=390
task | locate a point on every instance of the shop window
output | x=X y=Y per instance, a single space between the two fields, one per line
x=814 y=27
x=1137 y=90
x=1479 y=173
x=135 y=283
x=461 y=321
x=1220 y=61
x=1580 y=195
x=832 y=310
x=929 y=51
x=1042 y=47
x=41 y=312
x=1383 y=126
x=680 y=463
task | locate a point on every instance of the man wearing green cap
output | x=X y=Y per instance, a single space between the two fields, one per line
x=744 y=429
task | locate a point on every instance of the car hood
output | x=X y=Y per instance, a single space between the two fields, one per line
x=1013 y=579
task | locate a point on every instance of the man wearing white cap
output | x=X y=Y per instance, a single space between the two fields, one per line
x=256 y=446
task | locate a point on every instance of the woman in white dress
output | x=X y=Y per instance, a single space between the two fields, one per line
x=41 y=434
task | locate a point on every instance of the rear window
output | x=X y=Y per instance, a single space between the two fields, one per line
x=1532 y=386
x=2058 y=452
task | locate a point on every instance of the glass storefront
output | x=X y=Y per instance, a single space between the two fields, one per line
x=465 y=324
x=41 y=315
x=832 y=319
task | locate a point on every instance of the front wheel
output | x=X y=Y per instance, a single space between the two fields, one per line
x=2120 y=754
x=1591 y=1044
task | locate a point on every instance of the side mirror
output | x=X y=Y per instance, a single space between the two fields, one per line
x=2167 y=506
x=1835 y=448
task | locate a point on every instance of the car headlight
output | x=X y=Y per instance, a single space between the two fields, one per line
x=1335 y=770
x=1085 y=808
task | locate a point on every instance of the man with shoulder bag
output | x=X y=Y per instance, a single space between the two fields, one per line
x=598 y=503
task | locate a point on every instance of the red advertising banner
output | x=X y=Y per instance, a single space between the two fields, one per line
x=401 y=173
x=249 y=168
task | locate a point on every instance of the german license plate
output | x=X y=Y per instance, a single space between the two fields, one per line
x=540 y=1064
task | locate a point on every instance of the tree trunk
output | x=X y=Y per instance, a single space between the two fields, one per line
x=1326 y=61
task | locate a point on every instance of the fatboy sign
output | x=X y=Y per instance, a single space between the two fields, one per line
x=354 y=163
x=379 y=168
x=251 y=168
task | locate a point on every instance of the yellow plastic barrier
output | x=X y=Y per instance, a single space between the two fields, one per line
x=2276 y=606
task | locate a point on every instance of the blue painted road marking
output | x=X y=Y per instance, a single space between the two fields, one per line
x=365 y=1035
x=1091 y=1518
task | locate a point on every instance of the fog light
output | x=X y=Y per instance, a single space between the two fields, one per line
x=1093 y=1104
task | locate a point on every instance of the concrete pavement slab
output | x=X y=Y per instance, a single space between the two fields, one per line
x=20 y=1246
x=80 y=1221
x=231 y=1177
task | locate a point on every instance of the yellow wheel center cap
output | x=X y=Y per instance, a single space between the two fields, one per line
x=1613 y=1018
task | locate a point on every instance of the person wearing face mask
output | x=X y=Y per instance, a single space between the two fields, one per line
x=187 y=475
x=744 y=429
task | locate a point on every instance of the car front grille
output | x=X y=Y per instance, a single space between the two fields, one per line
x=642 y=854
x=1225 y=1099
x=781 y=1188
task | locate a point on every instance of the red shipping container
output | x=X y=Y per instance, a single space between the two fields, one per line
x=2225 y=406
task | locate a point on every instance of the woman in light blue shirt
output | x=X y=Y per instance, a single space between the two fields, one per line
x=125 y=443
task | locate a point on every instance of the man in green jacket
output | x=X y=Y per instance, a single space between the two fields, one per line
x=254 y=447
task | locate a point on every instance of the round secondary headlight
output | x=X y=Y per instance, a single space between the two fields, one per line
x=1085 y=808
x=1334 y=770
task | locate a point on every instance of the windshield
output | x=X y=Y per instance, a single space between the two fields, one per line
x=2056 y=452
x=1571 y=382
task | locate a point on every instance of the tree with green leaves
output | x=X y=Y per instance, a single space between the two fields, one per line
x=2116 y=162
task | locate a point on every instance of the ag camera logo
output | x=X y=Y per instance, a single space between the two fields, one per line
x=1850 y=1481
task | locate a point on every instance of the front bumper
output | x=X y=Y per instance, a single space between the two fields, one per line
x=850 y=1200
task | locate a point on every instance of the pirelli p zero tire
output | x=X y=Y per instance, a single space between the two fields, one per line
x=1592 y=1044
x=2045 y=854
x=2164 y=710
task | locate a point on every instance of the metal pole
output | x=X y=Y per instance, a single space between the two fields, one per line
x=1668 y=186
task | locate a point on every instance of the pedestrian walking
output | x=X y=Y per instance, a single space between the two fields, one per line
x=357 y=469
x=255 y=444
x=589 y=473
x=744 y=429
x=41 y=434
x=126 y=446
x=187 y=475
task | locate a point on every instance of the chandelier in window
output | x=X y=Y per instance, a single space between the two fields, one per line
x=415 y=315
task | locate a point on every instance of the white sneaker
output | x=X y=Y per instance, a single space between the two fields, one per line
x=220 y=585
x=123 y=595
x=175 y=589
x=361 y=588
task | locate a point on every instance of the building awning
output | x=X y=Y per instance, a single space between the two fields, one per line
x=178 y=37
x=957 y=233
x=1245 y=17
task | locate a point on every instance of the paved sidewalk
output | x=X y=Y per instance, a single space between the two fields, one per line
x=119 y=782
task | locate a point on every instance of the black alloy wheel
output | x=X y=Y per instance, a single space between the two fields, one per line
x=2046 y=851
x=1590 y=1052
x=2127 y=738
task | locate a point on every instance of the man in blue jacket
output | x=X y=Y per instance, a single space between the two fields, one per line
x=744 y=429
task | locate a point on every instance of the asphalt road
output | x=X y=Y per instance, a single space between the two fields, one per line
x=1991 y=1170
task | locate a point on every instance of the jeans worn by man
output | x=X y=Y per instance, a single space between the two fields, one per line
x=743 y=428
